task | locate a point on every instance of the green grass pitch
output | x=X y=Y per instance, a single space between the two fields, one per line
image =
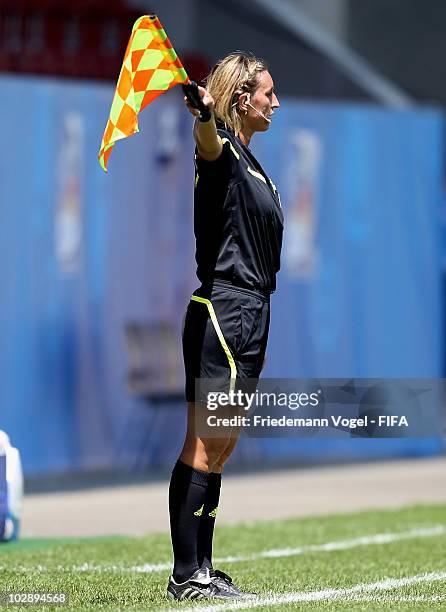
x=333 y=552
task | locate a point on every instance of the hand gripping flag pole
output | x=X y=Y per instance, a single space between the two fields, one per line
x=150 y=68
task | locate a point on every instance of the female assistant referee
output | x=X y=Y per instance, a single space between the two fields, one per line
x=238 y=229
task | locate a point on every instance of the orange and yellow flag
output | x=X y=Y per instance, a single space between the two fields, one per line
x=150 y=68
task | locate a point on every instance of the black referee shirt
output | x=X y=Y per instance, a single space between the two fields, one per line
x=238 y=219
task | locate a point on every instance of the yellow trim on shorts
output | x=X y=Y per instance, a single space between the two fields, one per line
x=219 y=333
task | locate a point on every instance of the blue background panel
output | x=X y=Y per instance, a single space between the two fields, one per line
x=84 y=253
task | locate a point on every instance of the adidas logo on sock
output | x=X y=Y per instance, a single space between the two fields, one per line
x=213 y=514
x=199 y=512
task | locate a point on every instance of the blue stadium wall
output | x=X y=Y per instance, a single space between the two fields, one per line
x=84 y=253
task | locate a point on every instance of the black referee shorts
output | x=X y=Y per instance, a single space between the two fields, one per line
x=224 y=336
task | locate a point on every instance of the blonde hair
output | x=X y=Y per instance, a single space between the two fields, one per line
x=231 y=76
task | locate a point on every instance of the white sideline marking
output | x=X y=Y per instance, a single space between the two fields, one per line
x=351 y=593
x=147 y=568
x=379 y=538
x=400 y=598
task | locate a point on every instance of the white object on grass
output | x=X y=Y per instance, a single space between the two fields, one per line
x=11 y=489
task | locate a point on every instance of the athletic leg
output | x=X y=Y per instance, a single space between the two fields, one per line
x=188 y=495
x=207 y=524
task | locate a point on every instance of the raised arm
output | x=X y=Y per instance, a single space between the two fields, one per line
x=209 y=144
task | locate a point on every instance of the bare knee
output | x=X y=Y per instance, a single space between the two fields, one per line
x=203 y=453
x=206 y=454
x=218 y=467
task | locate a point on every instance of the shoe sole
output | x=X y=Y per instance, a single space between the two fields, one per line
x=170 y=595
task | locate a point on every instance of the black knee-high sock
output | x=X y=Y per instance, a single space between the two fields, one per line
x=207 y=524
x=187 y=495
